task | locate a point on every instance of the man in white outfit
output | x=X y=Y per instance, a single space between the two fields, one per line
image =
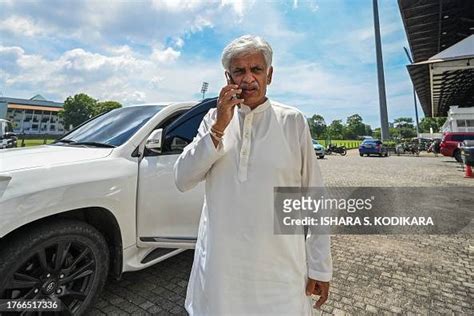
x=244 y=148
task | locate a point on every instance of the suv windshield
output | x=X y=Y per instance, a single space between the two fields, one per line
x=112 y=128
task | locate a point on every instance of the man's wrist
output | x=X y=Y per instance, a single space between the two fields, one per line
x=217 y=127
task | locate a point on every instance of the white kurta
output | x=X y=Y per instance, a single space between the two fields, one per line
x=240 y=266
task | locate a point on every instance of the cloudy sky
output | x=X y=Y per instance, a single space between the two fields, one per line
x=162 y=50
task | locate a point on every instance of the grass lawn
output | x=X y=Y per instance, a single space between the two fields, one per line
x=350 y=144
x=34 y=142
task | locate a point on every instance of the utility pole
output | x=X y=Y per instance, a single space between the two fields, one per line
x=414 y=95
x=380 y=74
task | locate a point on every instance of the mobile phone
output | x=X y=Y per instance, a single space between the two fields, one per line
x=231 y=81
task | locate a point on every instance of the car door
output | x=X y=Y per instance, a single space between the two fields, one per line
x=164 y=213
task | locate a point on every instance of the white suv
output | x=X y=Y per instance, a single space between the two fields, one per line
x=100 y=199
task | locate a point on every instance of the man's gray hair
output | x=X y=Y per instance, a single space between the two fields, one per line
x=246 y=44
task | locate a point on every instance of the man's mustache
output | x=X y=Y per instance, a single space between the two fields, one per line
x=250 y=86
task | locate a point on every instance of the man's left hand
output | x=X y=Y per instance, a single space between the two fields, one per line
x=318 y=288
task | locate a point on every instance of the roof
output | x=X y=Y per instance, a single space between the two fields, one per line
x=38 y=97
x=31 y=102
x=436 y=32
x=34 y=107
x=464 y=48
x=432 y=26
x=446 y=79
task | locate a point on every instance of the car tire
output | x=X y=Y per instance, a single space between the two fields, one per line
x=457 y=155
x=360 y=154
x=30 y=269
x=321 y=157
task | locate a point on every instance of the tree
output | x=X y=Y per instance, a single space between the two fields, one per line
x=403 y=127
x=336 y=129
x=355 y=127
x=377 y=133
x=77 y=109
x=105 y=106
x=434 y=122
x=403 y=122
x=317 y=126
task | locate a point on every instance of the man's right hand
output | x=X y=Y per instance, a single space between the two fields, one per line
x=225 y=106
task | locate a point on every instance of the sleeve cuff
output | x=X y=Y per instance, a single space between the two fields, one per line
x=210 y=144
x=319 y=276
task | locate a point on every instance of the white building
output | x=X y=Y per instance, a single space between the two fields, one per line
x=459 y=120
x=35 y=116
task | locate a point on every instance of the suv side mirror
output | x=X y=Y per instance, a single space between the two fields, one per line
x=154 y=140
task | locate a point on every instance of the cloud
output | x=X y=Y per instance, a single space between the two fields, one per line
x=165 y=56
x=18 y=25
x=162 y=50
x=125 y=22
x=310 y=4
x=125 y=78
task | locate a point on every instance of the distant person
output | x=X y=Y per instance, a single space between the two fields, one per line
x=244 y=148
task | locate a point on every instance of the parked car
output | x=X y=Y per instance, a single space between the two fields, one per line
x=372 y=147
x=8 y=139
x=318 y=149
x=100 y=200
x=450 y=143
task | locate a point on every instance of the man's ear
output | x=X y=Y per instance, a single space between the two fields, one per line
x=269 y=75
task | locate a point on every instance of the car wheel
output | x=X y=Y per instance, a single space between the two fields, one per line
x=321 y=157
x=66 y=261
x=344 y=152
x=361 y=154
x=457 y=155
x=380 y=155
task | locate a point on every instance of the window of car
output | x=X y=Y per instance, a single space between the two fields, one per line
x=182 y=131
x=372 y=142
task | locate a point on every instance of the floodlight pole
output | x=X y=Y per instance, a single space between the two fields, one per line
x=380 y=74
x=204 y=87
x=414 y=96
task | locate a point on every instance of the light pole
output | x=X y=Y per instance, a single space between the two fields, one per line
x=414 y=95
x=380 y=74
x=204 y=87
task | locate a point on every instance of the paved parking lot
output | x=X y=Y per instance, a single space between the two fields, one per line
x=397 y=274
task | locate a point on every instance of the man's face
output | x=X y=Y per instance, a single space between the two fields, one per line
x=251 y=73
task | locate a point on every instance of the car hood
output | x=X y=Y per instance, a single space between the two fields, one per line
x=47 y=155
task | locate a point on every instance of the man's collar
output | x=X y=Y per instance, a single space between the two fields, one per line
x=260 y=108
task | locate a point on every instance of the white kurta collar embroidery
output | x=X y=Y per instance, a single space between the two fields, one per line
x=246 y=133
